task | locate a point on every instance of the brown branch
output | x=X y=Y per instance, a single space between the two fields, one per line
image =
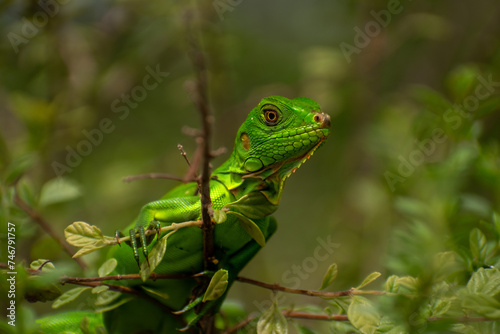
x=80 y=280
x=97 y=281
x=183 y=153
x=342 y=317
x=200 y=94
x=47 y=228
x=130 y=291
x=324 y=294
x=312 y=316
x=154 y=176
x=291 y=314
x=462 y=319
x=153 y=276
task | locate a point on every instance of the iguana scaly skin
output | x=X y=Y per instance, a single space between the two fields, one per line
x=276 y=138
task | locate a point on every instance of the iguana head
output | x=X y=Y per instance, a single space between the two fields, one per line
x=277 y=137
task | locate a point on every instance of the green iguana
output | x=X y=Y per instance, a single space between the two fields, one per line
x=276 y=138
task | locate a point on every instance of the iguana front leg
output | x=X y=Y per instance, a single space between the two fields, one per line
x=159 y=213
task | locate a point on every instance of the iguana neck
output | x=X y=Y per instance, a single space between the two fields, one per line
x=241 y=183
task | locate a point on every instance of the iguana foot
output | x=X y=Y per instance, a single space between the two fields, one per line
x=143 y=240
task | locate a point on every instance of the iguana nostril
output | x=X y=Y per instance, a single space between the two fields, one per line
x=326 y=121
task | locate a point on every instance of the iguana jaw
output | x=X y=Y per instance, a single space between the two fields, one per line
x=283 y=169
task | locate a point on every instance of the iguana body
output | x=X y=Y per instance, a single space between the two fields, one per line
x=277 y=137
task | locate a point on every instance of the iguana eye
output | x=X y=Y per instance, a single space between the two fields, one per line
x=271 y=116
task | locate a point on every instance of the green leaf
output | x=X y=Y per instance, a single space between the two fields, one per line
x=478 y=246
x=496 y=223
x=107 y=297
x=59 y=190
x=34 y=292
x=485 y=281
x=461 y=81
x=330 y=276
x=481 y=304
x=370 y=278
x=217 y=285
x=220 y=216
x=272 y=321
x=19 y=166
x=81 y=234
x=251 y=228
x=155 y=256
x=440 y=307
x=391 y=284
x=114 y=306
x=394 y=284
x=304 y=330
x=100 y=289
x=434 y=101
x=153 y=291
x=89 y=237
x=411 y=284
x=254 y=206
x=69 y=296
x=363 y=315
x=107 y=267
x=464 y=329
x=411 y=207
x=47 y=266
x=488 y=106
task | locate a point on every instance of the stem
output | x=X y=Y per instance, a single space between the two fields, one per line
x=47 y=228
x=153 y=176
x=200 y=93
x=291 y=314
x=277 y=287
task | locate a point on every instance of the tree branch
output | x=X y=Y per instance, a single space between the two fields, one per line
x=47 y=228
x=130 y=291
x=324 y=294
x=200 y=94
x=154 y=176
x=201 y=99
x=290 y=314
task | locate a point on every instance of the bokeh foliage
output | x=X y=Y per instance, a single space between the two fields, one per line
x=408 y=184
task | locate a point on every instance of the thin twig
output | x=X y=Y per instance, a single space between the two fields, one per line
x=153 y=176
x=218 y=152
x=342 y=317
x=183 y=153
x=313 y=316
x=130 y=291
x=324 y=294
x=153 y=276
x=98 y=281
x=171 y=227
x=47 y=228
x=291 y=314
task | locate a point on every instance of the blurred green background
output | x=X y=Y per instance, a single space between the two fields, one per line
x=411 y=167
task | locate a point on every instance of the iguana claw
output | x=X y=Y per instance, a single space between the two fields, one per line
x=144 y=241
x=135 y=248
